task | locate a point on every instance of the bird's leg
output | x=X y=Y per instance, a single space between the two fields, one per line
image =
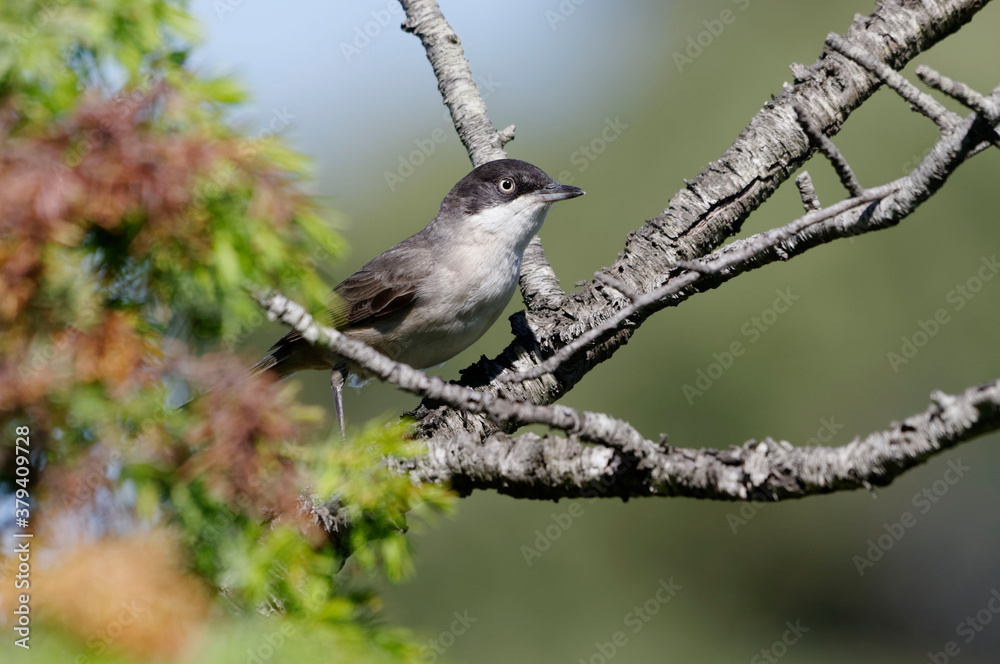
x=337 y=379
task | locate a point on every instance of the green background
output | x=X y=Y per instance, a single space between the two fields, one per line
x=744 y=571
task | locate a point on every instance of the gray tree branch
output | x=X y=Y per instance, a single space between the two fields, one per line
x=553 y=467
x=458 y=88
x=866 y=211
x=700 y=217
x=624 y=464
x=668 y=260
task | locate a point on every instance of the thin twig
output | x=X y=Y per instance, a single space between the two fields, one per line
x=696 y=266
x=506 y=135
x=920 y=101
x=807 y=192
x=830 y=151
x=962 y=93
x=958 y=91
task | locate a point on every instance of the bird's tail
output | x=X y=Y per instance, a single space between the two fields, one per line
x=291 y=353
x=271 y=362
x=280 y=360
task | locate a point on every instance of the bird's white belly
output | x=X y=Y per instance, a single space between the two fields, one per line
x=476 y=298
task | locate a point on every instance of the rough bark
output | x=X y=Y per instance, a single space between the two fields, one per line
x=554 y=467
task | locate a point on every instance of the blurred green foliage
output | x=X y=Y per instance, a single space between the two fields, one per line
x=132 y=220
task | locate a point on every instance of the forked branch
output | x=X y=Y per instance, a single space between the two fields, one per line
x=671 y=258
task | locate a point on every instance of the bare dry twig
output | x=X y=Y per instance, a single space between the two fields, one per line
x=954 y=89
x=919 y=101
x=829 y=150
x=807 y=192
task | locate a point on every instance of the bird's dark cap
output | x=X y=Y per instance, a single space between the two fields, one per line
x=500 y=181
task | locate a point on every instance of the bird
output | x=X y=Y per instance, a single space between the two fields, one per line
x=434 y=294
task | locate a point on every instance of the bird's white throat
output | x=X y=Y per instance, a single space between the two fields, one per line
x=512 y=224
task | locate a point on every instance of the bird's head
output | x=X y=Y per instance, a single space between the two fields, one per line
x=506 y=197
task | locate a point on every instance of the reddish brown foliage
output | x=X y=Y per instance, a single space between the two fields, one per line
x=112 y=352
x=110 y=167
x=129 y=594
x=104 y=165
x=98 y=168
x=230 y=447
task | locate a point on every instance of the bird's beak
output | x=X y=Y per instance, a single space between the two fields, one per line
x=557 y=192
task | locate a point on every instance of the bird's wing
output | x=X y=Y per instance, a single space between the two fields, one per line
x=382 y=287
x=369 y=294
x=378 y=289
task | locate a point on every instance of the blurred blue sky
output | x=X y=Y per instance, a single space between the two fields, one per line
x=361 y=91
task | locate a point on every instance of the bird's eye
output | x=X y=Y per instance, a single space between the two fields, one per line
x=506 y=185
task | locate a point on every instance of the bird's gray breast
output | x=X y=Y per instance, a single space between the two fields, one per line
x=462 y=299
